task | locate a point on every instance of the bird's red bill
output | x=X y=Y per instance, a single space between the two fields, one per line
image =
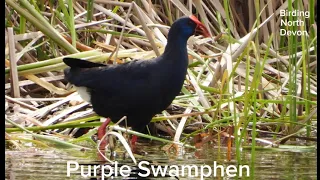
x=200 y=27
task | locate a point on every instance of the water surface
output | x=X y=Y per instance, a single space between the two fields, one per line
x=52 y=164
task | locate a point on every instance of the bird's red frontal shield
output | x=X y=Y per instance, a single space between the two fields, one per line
x=200 y=27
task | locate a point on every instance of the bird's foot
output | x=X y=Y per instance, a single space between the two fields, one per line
x=172 y=149
x=133 y=141
x=103 y=139
x=134 y=147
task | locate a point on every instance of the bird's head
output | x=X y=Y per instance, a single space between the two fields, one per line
x=188 y=26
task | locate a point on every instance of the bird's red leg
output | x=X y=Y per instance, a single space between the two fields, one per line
x=134 y=139
x=101 y=133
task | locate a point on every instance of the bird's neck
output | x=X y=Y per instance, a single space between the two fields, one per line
x=176 y=49
x=175 y=61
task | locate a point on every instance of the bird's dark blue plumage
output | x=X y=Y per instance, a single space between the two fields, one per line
x=138 y=89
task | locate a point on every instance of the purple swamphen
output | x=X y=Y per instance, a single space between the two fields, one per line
x=141 y=88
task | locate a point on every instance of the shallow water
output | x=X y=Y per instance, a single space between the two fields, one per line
x=268 y=164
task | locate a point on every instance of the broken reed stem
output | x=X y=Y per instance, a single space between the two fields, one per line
x=20 y=103
x=156 y=119
x=121 y=34
x=13 y=65
x=115 y=3
x=145 y=28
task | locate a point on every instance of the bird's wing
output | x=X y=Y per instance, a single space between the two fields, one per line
x=127 y=79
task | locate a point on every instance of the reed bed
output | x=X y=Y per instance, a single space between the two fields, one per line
x=246 y=87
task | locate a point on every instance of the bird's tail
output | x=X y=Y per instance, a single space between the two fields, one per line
x=79 y=63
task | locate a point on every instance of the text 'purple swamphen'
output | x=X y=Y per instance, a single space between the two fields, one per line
x=141 y=88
